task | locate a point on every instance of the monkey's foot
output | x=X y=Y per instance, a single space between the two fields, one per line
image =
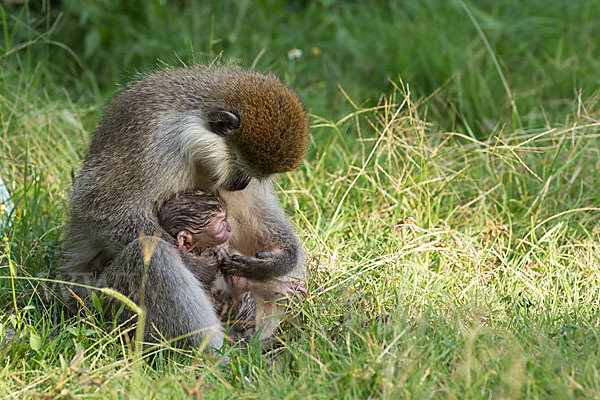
x=289 y=290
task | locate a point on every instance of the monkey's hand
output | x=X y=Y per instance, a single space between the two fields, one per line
x=214 y=259
x=208 y=261
x=223 y=257
x=204 y=267
x=266 y=265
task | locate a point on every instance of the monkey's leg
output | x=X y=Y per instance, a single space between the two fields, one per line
x=268 y=315
x=269 y=307
x=176 y=303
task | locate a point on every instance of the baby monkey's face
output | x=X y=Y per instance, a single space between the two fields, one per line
x=215 y=234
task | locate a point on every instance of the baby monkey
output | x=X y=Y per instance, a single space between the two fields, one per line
x=198 y=221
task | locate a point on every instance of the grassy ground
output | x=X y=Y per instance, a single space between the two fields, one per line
x=449 y=204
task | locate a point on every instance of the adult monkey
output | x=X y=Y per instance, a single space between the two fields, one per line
x=212 y=128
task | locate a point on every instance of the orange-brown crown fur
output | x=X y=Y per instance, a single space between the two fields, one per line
x=274 y=131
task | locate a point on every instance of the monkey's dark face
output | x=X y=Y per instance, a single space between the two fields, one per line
x=237 y=180
x=265 y=126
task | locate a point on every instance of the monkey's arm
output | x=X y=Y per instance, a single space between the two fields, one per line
x=275 y=256
x=264 y=236
x=204 y=268
x=176 y=303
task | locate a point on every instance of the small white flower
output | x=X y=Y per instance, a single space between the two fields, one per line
x=294 y=53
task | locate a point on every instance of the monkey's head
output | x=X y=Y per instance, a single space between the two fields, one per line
x=196 y=219
x=263 y=123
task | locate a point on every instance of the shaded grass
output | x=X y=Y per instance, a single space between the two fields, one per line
x=442 y=262
x=545 y=54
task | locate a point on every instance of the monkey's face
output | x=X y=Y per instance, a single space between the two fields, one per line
x=216 y=233
x=220 y=229
x=264 y=125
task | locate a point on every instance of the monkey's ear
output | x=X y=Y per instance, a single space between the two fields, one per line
x=185 y=240
x=223 y=122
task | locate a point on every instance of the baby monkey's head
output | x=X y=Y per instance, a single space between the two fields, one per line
x=196 y=219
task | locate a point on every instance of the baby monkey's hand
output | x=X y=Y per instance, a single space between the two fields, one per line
x=223 y=257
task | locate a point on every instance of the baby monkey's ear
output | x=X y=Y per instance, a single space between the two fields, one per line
x=185 y=240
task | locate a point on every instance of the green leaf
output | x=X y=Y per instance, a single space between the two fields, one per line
x=35 y=340
x=97 y=301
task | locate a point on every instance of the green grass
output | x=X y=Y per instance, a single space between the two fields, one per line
x=453 y=236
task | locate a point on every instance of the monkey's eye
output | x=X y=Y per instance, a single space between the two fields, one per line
x=223 y=122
